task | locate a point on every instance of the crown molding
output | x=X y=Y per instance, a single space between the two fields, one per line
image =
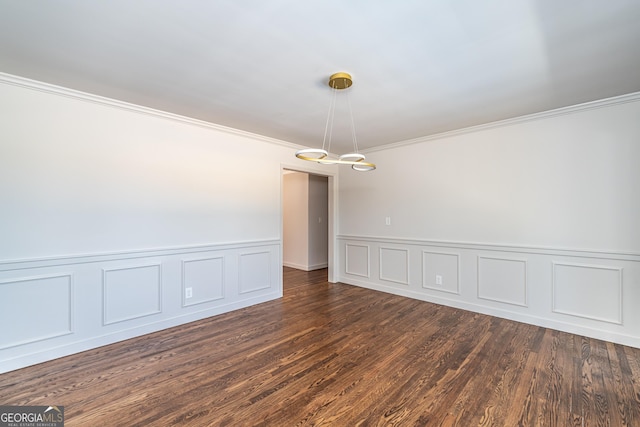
x=26 y=83
x=586 y=106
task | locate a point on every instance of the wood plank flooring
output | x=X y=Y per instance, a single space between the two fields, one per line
x=333 y=354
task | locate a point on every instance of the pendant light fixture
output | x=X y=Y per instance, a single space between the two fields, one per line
x=337 y=82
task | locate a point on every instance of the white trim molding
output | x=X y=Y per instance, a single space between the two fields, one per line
x=405 y=267
x=183 y=277
x=367 y=260
x=522 y=303
x=23 y=82
x=585 y=106
x=457 y=270
x=500 y=247
x=579 y=288
x=529 y=287
x=32 y=314
x=132 y=286
x=145 y=296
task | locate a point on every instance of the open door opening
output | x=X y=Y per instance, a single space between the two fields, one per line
x=307 y=221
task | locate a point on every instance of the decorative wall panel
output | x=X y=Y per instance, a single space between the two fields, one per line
x=502 y=280
x=204 y=278
x=357 y=260
x=131 y=292
x=35 y=308
x=254 y=272
x=394 y=265
x=63 y=305
x=589 y=291
x=440 y=271
x=582 y=292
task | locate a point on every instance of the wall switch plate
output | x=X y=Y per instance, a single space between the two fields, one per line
x=387 y=220
x=438 y=279
x=188 y=292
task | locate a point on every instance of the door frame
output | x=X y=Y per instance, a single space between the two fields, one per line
x=332 y=214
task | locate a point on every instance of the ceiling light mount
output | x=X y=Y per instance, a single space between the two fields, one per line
x=340 y=81
x=337 y=82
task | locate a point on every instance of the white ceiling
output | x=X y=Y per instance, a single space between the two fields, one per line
x=420 y=67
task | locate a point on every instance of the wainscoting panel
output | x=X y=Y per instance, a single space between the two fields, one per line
x=202 y=280
x=394 y=265
x=131 y=292
x=357 y=260
x=589 y=293
x=440 y=271
x=63 y=305
x=502 y=280
x=35 y=309
x=254 y=271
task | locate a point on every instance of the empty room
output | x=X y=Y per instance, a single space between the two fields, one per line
x=346 y=213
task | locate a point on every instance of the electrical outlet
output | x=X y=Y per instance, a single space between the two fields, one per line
x=387 y=220
x=438 y=279
x=188 y=292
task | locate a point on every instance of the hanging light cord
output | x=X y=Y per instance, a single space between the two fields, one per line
x=328 y=129
x=353 y=126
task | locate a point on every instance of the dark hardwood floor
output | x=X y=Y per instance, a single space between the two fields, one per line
x=333 y=354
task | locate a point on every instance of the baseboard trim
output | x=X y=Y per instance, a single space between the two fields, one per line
x=305 y=267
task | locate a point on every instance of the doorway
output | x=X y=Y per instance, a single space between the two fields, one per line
x=308 y=212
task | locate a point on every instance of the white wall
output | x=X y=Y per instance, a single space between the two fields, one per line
x=84 y=177
x=533 y=219
x=111 y=212
x=295 y=217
